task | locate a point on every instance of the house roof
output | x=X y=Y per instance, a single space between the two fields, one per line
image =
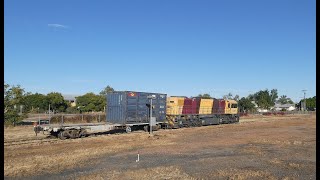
x=69 y=97
x=283 y=105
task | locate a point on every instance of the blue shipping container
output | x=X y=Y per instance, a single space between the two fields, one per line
x=130 y=107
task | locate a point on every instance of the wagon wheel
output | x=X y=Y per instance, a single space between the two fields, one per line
x=74 y=134
x=83 y=133
x=128 y=129
x=146 y=128
x=61 y=135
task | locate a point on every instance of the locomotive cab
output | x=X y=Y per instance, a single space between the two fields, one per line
x=231 y=107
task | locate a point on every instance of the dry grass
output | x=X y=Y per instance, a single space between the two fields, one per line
x=240 y=174
x=20 y=132
x=171 y=172
x=291 y=131
x=254 y=150
x=55 y=157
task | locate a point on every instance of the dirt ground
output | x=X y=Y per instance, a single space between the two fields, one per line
x=259 y=147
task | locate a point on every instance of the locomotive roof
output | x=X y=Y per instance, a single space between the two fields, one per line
x=232 y=101
x=137 y=92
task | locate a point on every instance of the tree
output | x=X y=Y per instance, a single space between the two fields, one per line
x=13 y=99
x=284 y=100
x=251 y=97
x=205 y=96
x=56 y=102
x=35 y=102
x=273 y=95
x=236 y=98
x=228 y=96
x=7 y=97
x=72 y=110
x=106 y=90
x=16 y=94
x=264 y=99
x=310 y=103
x=104 y=93
x=91 y=102
x=245 y=105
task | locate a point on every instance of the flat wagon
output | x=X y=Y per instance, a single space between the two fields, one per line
x=125 y=110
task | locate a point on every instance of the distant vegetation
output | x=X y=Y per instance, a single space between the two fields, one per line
x=205 y=96
x=310 y=103
x=17 y=102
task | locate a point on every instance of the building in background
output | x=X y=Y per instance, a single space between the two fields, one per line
x=71 y=99
x=287 y=107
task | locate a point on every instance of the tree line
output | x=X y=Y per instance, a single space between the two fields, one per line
x=18 y=103
x=264 y=99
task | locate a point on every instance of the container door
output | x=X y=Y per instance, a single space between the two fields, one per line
x=115 y=108
x=132 y=105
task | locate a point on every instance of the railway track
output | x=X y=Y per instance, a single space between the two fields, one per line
x=29 y=141
x=48 y=139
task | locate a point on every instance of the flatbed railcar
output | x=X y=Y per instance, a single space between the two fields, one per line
x=130 y=110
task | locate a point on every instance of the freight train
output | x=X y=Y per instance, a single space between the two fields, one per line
x=130 y=110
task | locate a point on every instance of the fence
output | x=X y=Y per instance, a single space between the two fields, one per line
x=278 y=112
x=66 y=118
x=77 y=118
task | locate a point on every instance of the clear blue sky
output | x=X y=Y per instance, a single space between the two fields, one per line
x=178 y=47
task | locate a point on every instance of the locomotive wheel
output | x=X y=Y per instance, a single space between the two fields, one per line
x=237 y=119
x=220 y=120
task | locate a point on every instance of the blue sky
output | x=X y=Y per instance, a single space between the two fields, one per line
x=178 y=47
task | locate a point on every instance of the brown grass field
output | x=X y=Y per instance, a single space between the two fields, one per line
x=259 y=147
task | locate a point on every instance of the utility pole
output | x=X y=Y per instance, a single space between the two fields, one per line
x=49 y=113
x=304 y=99
x=150 y=122
x=38 y=116
x=151 y=116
